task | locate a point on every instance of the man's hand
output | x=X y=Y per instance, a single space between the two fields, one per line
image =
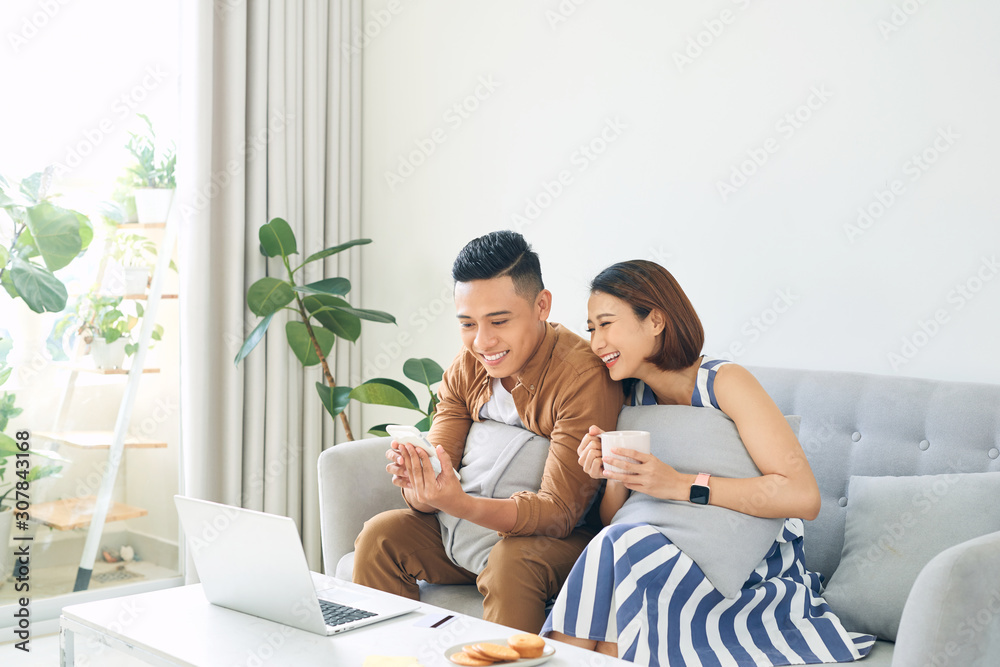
x=439 y=491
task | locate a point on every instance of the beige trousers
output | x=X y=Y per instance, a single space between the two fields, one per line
x=399 y=547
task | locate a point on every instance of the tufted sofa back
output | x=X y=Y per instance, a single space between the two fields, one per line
x=863 y=424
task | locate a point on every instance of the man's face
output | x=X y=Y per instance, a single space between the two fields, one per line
x=501 y=327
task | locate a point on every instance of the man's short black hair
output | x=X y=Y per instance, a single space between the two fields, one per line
x=498 y=254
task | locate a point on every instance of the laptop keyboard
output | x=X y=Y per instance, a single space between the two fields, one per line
x=337 y=614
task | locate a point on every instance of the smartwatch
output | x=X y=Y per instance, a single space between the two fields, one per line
x=700 y=490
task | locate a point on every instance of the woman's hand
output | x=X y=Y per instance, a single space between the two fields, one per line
x=590 y=453
x=650 y=475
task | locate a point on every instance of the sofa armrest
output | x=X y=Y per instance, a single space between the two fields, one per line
x=353 y=487
x=952 y=615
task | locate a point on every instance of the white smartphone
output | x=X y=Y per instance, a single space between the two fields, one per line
x=409 y=434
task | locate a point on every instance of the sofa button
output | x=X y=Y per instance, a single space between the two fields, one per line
x=993 y=453
x=855 y=436
x=842 y=502
x=924 y=445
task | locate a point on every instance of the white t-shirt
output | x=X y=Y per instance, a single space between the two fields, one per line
x=500 y=407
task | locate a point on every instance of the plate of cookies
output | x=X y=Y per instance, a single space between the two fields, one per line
x=523 y=650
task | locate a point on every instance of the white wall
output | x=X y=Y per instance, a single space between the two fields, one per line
x=885 y=87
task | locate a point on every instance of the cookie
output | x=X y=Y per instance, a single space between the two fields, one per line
x=527 y=645
x=496 y=651
x=475 y=653
x=463 y=658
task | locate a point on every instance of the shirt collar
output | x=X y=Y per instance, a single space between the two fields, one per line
x=531 y=375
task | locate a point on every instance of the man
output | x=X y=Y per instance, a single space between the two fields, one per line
x=522 y=370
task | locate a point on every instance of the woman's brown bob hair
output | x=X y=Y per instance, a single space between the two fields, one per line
x=646 y=286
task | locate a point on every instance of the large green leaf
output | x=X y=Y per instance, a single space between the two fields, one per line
x=56 y=232
x=8 y=285
x=4 y=256
x=25 y=247
x=31 y=185
x=334 y=286
x=371 y=315
x=5 y=372
x=268 y=295
x=322 y=308
x=251 y=342
x=40 y=472
x=425 y=371
x=86 y=230
x=379 y=430
x=277 y=238
x=333 y=250
x=41 y=290
x=8 y=446
x=302 y=345
x=424 y=424
x=335 y=399
x=382 y=391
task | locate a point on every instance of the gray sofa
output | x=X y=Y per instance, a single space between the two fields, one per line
x=852 y=424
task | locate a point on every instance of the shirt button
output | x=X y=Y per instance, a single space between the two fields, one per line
x=531 y=387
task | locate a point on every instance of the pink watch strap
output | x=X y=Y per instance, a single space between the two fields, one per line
x=702 y=479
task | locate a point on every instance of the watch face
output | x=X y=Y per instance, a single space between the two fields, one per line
x=699 y=494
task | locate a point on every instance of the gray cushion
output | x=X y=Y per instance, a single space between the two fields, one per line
x=726 y=545
x=499 y=460
x=953 y=610
x=895 y=526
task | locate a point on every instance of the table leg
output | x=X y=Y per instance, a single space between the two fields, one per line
x=67 y=645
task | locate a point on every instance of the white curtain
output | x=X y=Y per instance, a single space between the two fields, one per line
x=270 y=128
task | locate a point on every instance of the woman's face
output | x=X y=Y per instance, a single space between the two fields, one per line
x=619 y=338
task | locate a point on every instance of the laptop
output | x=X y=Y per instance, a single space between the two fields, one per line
x=253 y=562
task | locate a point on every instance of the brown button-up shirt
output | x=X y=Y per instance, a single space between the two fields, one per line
x=563 y=390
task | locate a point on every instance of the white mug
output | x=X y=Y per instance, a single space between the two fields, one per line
x=637 y=440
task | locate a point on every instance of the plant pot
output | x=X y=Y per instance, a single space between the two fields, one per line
x=136 y=280
x=153 y=204
x=128 y=209
x=108 y=356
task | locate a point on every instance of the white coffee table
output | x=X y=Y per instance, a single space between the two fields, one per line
x=178 y=626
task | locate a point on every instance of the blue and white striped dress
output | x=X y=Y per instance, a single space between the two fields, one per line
x=632 y=586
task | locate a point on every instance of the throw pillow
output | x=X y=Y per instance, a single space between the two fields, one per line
x=895 y=526
x=726 y=545
x=499 y=460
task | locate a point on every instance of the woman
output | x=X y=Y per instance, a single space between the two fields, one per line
x=618 y=601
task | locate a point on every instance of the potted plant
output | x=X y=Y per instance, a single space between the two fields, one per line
x=319 y=316
x=152 y=176
x=136 y=255
x=37 y=238
x=106 y=324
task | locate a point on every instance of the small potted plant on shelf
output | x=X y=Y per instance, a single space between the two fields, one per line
x=133 y=255
x=152 y=176
x=106 y=323
x=136 y=255
x=107 y=329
